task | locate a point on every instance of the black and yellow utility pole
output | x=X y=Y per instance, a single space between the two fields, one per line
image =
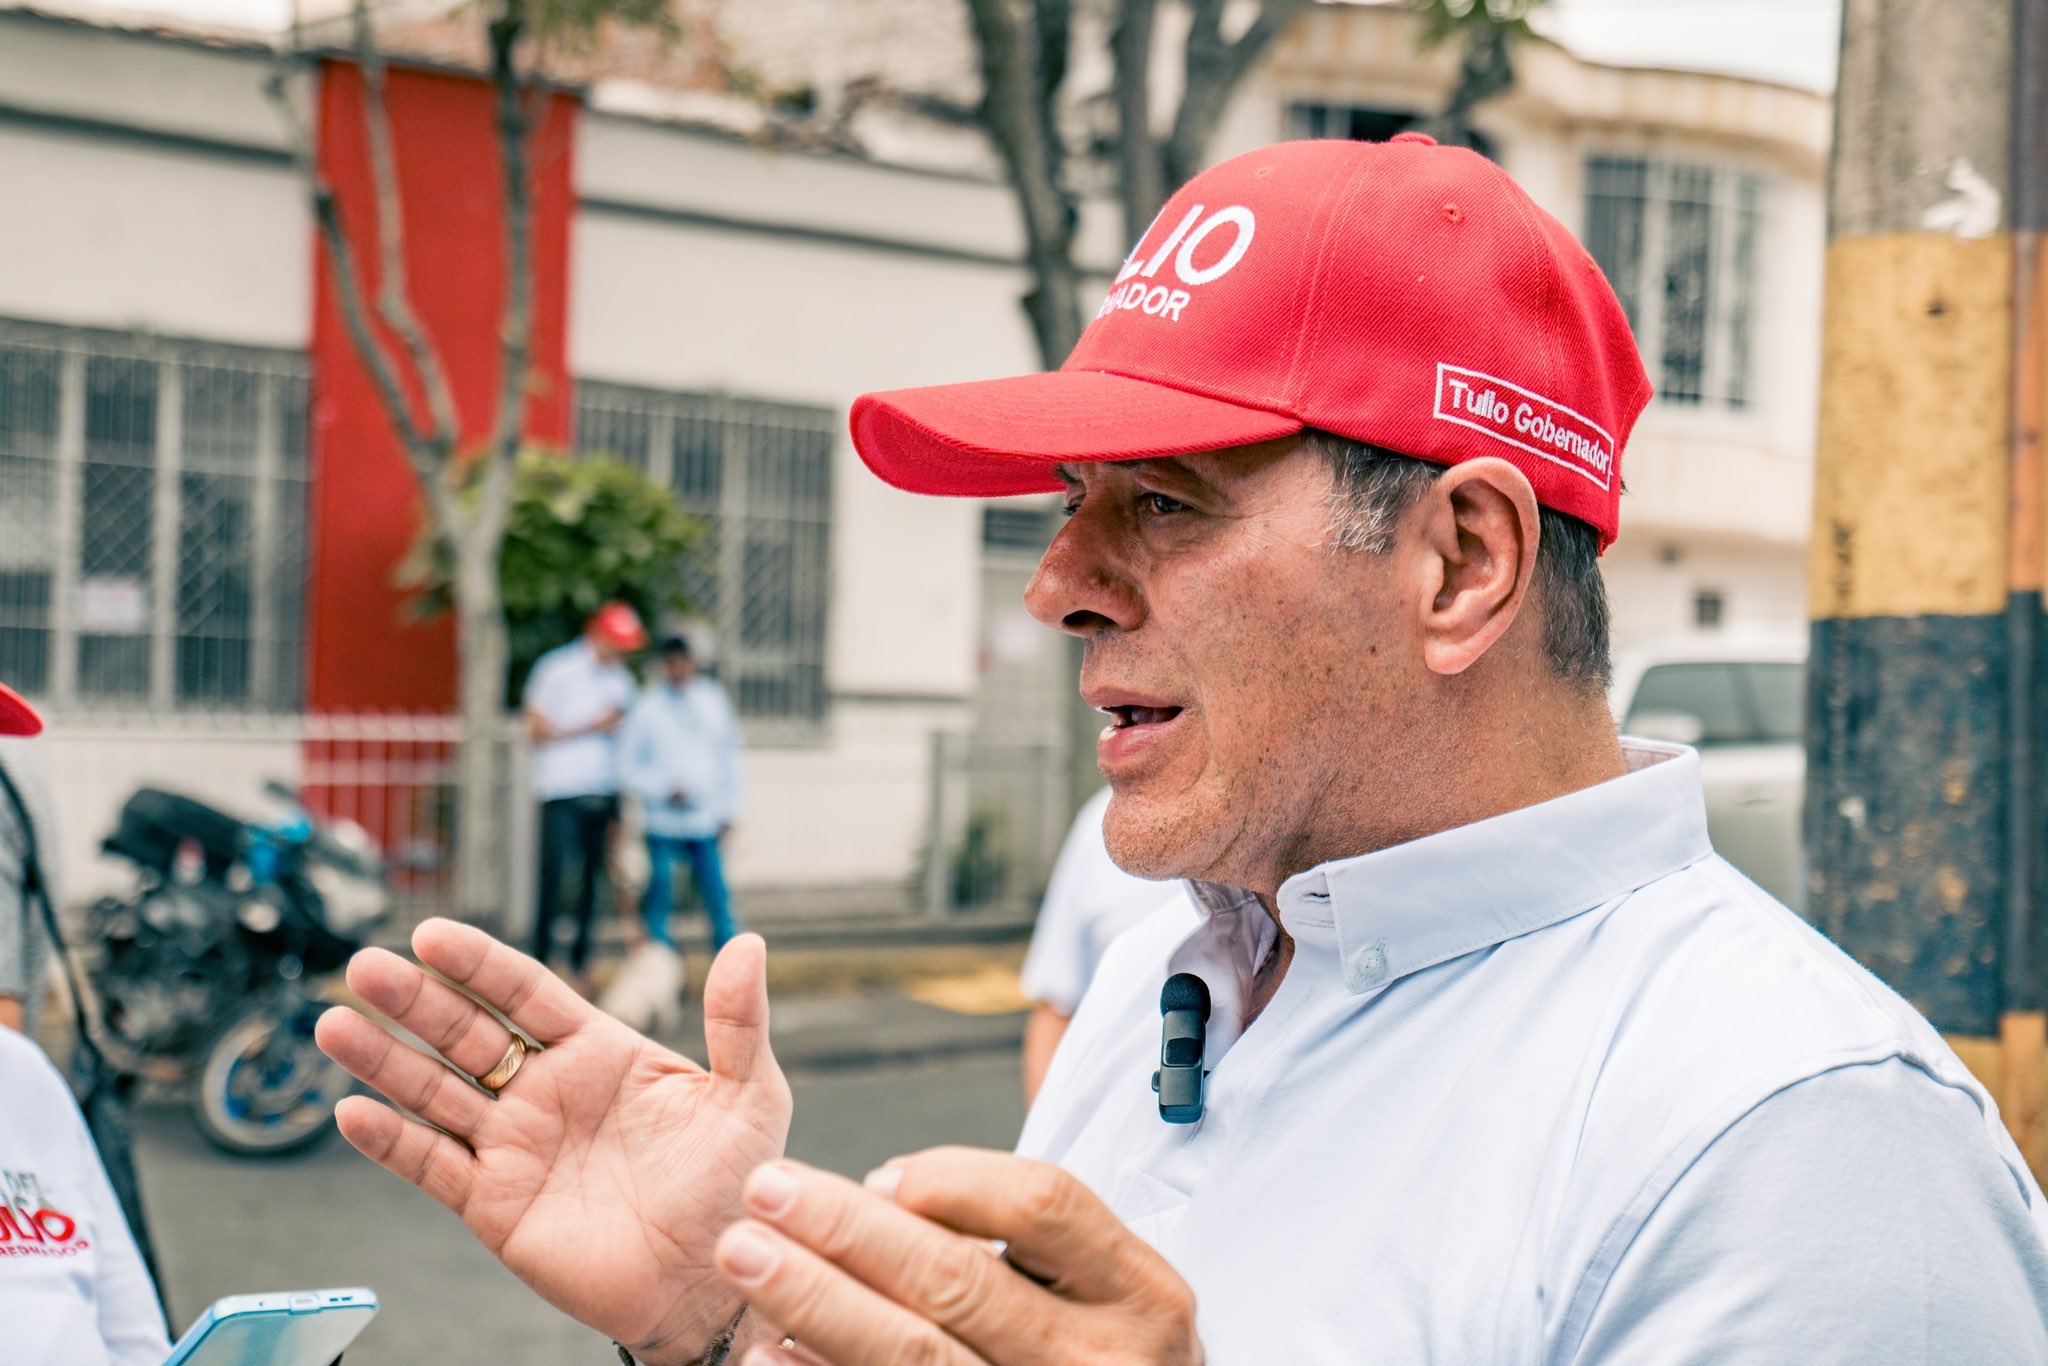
x=1924 y=813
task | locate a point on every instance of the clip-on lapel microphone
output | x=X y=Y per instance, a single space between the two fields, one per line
x=1184 y=1004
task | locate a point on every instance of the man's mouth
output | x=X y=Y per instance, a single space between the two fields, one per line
x=1124 y=717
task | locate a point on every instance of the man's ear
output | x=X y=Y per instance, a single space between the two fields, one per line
x=1477 y=538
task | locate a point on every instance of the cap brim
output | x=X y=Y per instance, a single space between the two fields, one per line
x=17 y=717
x=992 y=438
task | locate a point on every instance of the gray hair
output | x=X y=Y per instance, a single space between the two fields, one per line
x=1370 y=487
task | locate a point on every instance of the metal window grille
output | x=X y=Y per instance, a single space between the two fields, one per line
x=1363 y=123
x=1679 y=243
x=1358 y=122
x=153 y=499
x=1008 y=527
x=759 y=476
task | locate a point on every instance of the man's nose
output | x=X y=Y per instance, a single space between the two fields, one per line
x=1082 y=587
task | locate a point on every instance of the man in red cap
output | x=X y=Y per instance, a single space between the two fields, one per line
x=576 y=697
x=1476 y=1053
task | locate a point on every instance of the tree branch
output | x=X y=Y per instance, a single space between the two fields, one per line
x=1486 y=69
x=1215 y=68
x=1138 y=153
x=515 y=328
x=377 y=358
x=394 y=305
x=1021 y=72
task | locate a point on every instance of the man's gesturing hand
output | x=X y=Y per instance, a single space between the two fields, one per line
x=605 y=1169
x=903 y=1272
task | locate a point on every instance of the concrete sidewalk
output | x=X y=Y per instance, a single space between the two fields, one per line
x=828 y=923
x=844 y=1034
x=838 y=1009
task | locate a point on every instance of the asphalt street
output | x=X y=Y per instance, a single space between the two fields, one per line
x=330 y=1218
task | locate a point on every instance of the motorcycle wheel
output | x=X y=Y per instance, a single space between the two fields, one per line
x=264 y=1087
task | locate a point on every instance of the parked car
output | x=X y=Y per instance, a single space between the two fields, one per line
x=1742 y=704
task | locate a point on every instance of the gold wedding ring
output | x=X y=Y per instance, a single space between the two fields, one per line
x=508 y=1066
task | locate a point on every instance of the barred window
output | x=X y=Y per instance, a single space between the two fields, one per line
x=1362 y=123
x=759 y=476
x=1359 y=123
x=152 y=521
x=1678 y=243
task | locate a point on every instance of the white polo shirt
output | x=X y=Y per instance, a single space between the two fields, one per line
x=1560 y=1086
x=573 y=688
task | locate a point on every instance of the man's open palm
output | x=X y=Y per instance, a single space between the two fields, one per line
x=604 y=1171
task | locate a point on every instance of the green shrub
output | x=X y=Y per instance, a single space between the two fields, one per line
x=580 y=533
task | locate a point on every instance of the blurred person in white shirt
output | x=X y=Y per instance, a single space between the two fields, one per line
x=1088 y=903
x=576 y=697
x=679 y=754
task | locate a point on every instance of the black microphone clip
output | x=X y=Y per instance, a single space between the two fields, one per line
x=1184 y=1004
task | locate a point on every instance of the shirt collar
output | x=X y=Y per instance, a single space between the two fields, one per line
x=1399 y=910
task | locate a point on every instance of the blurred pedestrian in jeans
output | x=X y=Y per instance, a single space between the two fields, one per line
x=576 y=698
x=680 y=755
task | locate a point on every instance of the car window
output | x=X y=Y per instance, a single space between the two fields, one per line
x=1779 y=691
x=1710 y=692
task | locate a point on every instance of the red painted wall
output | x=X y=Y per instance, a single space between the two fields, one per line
x=366 y=506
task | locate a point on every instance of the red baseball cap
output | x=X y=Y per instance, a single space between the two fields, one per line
x=17 y=717
x=1398 y=293
x=618 y=626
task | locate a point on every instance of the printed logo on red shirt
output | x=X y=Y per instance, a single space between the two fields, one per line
x=30 y=1225
x=1525 y=419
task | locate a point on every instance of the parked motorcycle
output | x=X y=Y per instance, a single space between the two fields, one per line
x=211 y=964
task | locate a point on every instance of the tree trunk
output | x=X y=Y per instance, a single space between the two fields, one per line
x=1137 y=150
x=1216 y=67
x=1023 y=61
x=1486 y=71
x=481 y=802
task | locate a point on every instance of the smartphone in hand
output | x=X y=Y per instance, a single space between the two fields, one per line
x=289 y=1328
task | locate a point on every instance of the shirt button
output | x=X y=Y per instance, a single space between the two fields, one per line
x=1367 y=967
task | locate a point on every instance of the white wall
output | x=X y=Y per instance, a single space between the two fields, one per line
x=150 y=236
x=1652 y=581
x=630 y=160
x=851 y=814
x=200 y=90
x=95 y=764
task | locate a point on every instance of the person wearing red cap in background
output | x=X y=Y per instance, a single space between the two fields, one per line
x=73 y=1286
x=575 y=699
x=1504 y=1064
